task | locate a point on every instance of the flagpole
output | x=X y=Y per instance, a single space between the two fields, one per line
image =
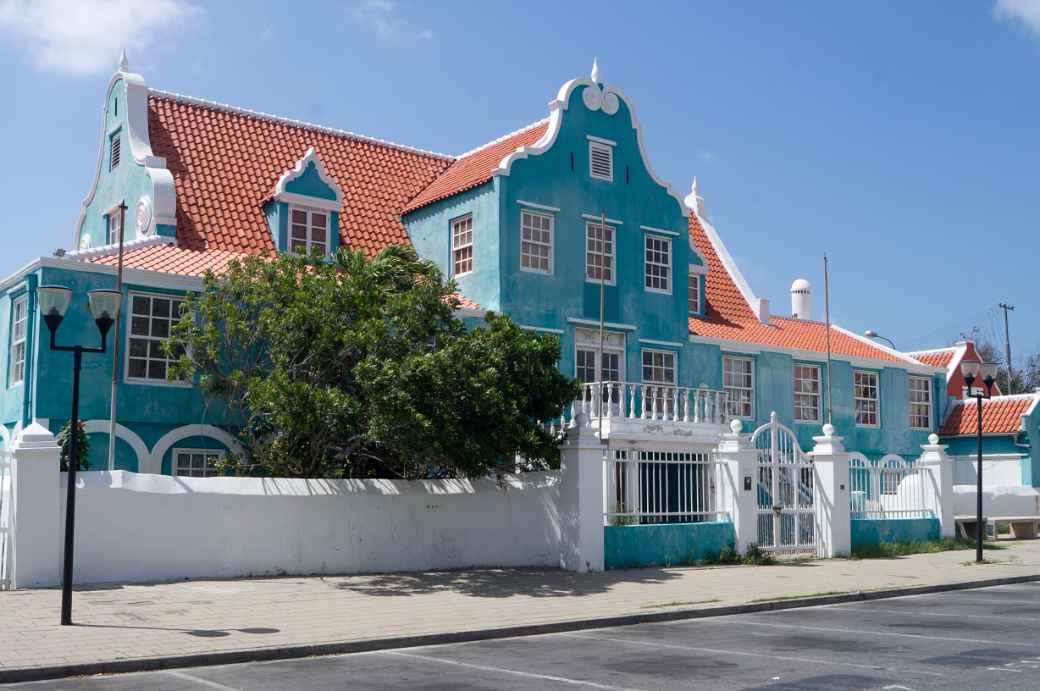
x=115 y=345
x=827 y=317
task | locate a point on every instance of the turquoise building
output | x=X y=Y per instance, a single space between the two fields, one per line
x=563 y=225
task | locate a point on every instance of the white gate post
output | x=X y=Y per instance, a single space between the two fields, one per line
x=737 y=488
x=35 y=508
x=831 y=495
x=937 y=475
x=581 y=499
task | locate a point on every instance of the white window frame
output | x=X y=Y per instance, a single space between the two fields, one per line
x=16 y=366
x=694 y=288
x=649 y=240
x=524 y=215
x=129 y=335
x=643 y=352
x=115 y=226
x=817 y=395
x=219 y=453
x=603 y=147
x=927 y=403
x=589 y=225
x=856 y=398
x=115 y=149
x=456 y=248
x=309 y=226
x=727 y=359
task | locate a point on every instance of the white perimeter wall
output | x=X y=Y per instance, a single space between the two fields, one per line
x=138 y=527
x=997 y=501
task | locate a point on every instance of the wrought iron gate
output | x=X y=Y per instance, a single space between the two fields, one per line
x=786 y=516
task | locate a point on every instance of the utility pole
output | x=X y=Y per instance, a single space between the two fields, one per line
x=1007 y=346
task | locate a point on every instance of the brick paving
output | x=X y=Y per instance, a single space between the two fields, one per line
x=121 y=622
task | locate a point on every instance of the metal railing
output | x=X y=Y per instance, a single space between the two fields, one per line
x=889 y=488
x=651 y=487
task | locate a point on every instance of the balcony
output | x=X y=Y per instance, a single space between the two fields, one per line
x=626 y=411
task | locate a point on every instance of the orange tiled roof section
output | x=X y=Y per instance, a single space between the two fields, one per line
x=935 y=358
x=474 y=169
x=1000 y=415
x=170 y=259
x=225 y=165
x=729 y=317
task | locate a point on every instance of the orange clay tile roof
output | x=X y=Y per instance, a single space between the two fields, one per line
x=225 y=163
x=936 y=358
x=1000 y=415
x=465 y=303
x=170 y=259
x=729 y=317
x=474 y=168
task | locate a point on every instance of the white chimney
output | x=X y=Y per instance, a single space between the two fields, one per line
x=801 y=301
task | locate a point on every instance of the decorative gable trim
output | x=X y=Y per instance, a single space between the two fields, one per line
x=297 y=171
x=595 y=97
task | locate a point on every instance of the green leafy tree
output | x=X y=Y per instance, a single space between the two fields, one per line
x=82 y=447
x=357 y=367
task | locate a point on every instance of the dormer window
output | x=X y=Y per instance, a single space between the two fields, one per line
x=114 y=221
x=601 y=159
x=308 y=231
x=113 y=150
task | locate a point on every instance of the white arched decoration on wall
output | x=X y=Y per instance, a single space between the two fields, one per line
x=5 y=436
x=167 y=441
x=126 y=434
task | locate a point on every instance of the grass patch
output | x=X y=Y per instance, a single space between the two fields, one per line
x=730 y=557
x=783 y=598
x=682 y=604
x=888 y=550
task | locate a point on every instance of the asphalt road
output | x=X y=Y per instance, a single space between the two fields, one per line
x=970 y=639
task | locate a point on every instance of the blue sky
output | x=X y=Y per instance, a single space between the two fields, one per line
x=900 y=138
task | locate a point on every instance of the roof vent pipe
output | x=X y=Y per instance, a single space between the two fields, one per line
x=801 y=300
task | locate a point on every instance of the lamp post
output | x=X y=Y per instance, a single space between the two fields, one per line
x=104 y=306
x=870 y=333
x=972 y=371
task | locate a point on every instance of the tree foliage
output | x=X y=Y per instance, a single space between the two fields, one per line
x=82 y=447
x=358 y=367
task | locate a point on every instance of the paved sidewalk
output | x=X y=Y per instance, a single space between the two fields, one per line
x=134 y=622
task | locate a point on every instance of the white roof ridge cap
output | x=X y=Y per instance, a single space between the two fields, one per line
x=501 y=139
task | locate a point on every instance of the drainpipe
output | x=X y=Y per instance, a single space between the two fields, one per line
x=30 y=349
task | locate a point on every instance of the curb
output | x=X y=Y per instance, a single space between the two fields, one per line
x=150 y=664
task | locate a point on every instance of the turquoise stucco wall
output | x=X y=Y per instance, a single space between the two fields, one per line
x=277 y=215
x=875 y=531
x=673 y=544
x=14 y=400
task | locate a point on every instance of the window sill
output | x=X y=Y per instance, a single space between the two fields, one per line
x=526 y=270
x=657 y=290
x=156 y=382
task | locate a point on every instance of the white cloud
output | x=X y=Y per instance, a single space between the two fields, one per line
x=1025 y=11
x=86 y=36
x=384 y=18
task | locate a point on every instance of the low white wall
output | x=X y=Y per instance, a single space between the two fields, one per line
x=997 y=501
x=1001 y=471
x=138 y=527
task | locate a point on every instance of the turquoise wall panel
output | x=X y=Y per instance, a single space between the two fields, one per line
x=672 y=544
x=310 y=184
x=97 y=454
x=875 y=531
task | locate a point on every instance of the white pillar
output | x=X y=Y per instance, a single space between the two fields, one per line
x=737 y=486
x=35 y=508
x=831 y=495
x=937 y=475
x=581 y=499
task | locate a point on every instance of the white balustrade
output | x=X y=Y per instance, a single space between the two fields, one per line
x=655 y=402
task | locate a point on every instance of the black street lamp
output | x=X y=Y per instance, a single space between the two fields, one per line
x=971 y=372
x=104 y=306
x=870 y=333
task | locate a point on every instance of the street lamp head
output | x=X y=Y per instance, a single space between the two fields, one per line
x=971 y=369
x=104 y=306
x=870 y=333
x=54 y=302
x=989 y=381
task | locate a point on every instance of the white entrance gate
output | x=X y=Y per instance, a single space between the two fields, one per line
x=786 y=515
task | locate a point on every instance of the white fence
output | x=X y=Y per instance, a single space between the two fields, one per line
x=890 y=488
x=6 y=552
x=645 y=487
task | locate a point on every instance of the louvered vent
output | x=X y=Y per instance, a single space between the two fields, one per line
x=601 y=161
x=113 y=161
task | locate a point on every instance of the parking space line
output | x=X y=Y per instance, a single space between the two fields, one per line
x=199 y=680
x=917 y=613
x=857 y=632
x=502 y=670
x=743 y=653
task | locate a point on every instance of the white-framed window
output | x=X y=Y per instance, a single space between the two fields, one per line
x=536 y=242
x=601 y=161
x=115 y=225
x=865 y=386
x=807 y=393
x=658 y=264
x=608 y=367
x=659 y=368
x=738 y=380
x=151 y=318
x=114 y=150
x=308 y=231
x=599 y=252
x=693 y=294
x=16 y=348
x=462 y=245
x=197 y=462
x=920 y=402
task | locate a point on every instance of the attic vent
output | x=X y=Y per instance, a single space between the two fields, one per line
x=601 y=161
x=113 y=159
